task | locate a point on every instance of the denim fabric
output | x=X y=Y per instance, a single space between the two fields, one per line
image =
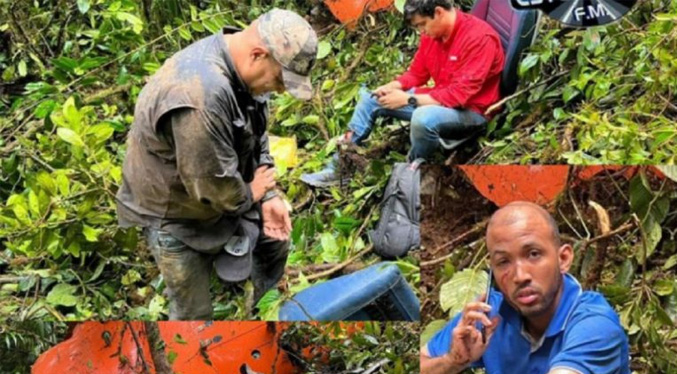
x=428 y=123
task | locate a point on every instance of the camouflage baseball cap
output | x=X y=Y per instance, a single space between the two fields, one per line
x=293 y=43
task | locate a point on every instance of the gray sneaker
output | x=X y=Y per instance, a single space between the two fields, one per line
x=327 y=177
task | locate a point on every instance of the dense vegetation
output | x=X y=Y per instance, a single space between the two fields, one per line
x=72 y=73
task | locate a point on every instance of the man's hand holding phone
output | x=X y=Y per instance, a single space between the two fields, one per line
x=467 y=345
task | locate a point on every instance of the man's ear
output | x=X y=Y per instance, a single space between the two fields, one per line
x=258 y=53
x=438 y=11
x=566 y=257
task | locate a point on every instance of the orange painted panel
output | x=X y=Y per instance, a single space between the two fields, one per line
x=588 y=172
x=228 y=346
x=349 y=11
x=93 y=349
x=503 y=184
x=196 y=347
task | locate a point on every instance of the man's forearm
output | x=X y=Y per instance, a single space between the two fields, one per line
x=396 y=84
x=425 y=99
x=439 y=365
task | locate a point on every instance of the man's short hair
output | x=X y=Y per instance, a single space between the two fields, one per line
x=424 y=8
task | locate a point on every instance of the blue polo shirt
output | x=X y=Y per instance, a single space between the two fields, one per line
x=585 y=336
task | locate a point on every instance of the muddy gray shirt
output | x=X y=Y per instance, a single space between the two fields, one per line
x=197 y=138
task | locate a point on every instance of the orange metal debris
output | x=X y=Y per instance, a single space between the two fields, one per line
x=195 y=347
x=588 y=172
x=349 y=11
x=503 y=184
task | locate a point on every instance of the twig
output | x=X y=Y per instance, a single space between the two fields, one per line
x=624 y=227
x=107 y=92
x=139 y=350
x=463 y=236
x=11 y=279
x=310 y=269
x=644 y=247
x=375 y=366
x=340 y=266
x=520 y=92
x=578 y=213
x=441 y=259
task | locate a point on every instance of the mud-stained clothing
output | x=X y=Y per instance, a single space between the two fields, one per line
x=197 y=138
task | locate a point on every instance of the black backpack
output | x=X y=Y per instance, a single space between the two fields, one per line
x=397 y=231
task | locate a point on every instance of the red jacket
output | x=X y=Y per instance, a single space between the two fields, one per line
x=466 y=67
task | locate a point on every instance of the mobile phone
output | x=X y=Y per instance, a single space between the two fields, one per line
x=483 y=329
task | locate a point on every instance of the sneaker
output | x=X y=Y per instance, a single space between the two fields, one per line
x=326 y=177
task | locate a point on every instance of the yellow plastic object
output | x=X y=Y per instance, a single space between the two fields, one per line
x=284 y=151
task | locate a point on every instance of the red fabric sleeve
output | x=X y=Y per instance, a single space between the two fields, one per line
x=471 y=73
x=417 y=74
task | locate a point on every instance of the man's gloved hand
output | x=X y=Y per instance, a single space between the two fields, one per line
x=264 y=180
x=276 y=221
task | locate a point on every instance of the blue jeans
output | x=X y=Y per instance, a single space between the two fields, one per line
x=428 y=123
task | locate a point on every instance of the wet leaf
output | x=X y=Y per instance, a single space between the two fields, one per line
x=464 y=287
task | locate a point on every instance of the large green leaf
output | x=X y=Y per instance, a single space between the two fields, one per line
x=323 y=49
x=83 y=6
x=62 y=294
x=670 y=171
x=399 y=5
x=651 y=208
x=464 y=287
x=330 y=250
x=432 y=329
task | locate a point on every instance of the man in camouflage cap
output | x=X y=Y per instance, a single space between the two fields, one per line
x=198 y=176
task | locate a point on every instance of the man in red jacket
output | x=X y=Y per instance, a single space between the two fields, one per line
x=463 y=56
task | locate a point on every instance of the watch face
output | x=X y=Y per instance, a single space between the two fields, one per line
x=579 y=13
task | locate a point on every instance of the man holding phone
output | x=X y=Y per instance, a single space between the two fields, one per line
x=539 y=320
x=198 y=175
x=464 y=57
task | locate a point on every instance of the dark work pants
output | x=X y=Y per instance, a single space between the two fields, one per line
x=187 y=272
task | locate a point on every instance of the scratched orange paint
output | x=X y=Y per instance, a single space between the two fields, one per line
x=88 y=351
x=588 y=172
x=503 y=184
x=348 y=11
x=228 y=345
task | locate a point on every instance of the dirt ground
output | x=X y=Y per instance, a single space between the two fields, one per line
x=450 y=207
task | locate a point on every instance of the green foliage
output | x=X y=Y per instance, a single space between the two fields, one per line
x=464 y=287
x=22 y=343
x=384 y=347
x=597 y=95
x=73 y=72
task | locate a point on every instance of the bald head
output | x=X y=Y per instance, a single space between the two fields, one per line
x=525 y=213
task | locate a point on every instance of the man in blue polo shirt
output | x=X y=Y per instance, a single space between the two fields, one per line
x=540 y=322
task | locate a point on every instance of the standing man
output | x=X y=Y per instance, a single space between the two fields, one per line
x=541 y=322
x=198 y=175
x=464 y=57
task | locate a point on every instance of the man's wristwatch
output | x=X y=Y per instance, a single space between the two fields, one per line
x=269 y=195
x=412 y=101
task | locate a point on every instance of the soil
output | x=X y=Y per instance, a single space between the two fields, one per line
x=450 y=207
